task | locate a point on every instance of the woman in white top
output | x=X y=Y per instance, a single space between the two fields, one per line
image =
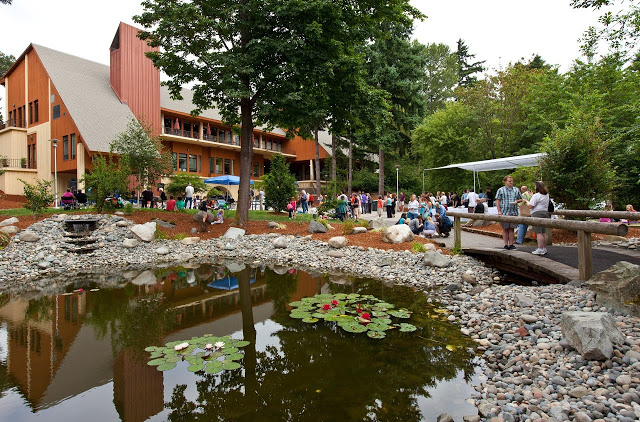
x=539 y=206
x=414 y=208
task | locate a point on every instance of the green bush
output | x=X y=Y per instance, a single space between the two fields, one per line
x=128 y=208
x=39 y=196
x=160 y=235
x=213 y=192
x=418 y=247
x=347 y=227
x=324 y=223
x=328 y=205
x=180 y=236
x=363 y=223
x=178 y=183
x=279 y=184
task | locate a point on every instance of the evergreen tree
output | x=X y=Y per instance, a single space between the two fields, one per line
x=279 y=184
x=466 y=66
x=6 y=61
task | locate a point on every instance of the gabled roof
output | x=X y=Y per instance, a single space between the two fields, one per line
x=84 y=88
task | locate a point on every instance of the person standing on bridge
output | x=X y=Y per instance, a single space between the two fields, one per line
x=507 y=199
x=539 y=206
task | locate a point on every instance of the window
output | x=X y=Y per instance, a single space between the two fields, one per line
x=73 y=146
x=56 y=111
x=193 y=163
x=237 y=139
x=36 y=117
x=221 y=135
x=269 y=145
x=212 y=165
x=256 y=170
x=174 y=161
x=30 y=113
x=218 y=165
x=228 y=166
x=229 y=135
x=264 y=143
x=65 y=147
x=182 y=162
x=19 y=117
x=186 y=127
x=196 y=131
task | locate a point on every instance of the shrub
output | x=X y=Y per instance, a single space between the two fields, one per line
x=180 y=236
x=347 y=227
x=418 y=247
x=279 y=184
x=363 y=223
x=4 y=239
x=160 y=235
x=39 y=196
x=178 y=183
x=325 y=223
x=328 y=205
x=128 y=208
x=105 y=178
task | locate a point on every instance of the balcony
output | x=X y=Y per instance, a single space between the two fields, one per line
x=13 y=123
x=17 y=163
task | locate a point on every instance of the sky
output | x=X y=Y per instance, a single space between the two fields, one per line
x=498 y=31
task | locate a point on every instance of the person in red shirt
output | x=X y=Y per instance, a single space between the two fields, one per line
x=171 y=204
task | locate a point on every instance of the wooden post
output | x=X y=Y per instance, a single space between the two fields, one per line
x=585 y=261
x=457 y=233
x=549 y=232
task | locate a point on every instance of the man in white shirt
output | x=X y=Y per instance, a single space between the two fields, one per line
x=472 y=197
x=188 y=196
x=261 y=197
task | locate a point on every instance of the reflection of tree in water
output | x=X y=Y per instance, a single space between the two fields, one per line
x=322 y=373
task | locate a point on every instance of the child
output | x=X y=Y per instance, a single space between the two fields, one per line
x=180 y=204
x=291 y=207
x=218 y=218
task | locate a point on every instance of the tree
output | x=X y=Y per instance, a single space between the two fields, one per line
x=6 y=1
x=38 y=196
x=441 y=70
x=178 y=183
x=465 y=67
x=279 y=184
x=106 y=177
x=6 y=61
x=142 y=153
x=244 y=55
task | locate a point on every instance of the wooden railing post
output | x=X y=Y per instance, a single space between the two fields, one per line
x=585 y=261
x=457 y=233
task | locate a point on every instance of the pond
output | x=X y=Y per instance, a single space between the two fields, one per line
x=81 y=352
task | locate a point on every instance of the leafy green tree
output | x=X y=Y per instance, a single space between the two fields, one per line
x=245 y=55
x=6 y=61
x=178 y=182
x=441 y=70
x=577 y=167
x=142 y=153
x=38 y=196
x=466 y=66
x=279 y=184
x=106 y=177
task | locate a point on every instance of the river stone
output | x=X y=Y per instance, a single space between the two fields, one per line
x=29 y=237
x=233 y=233
x=377 y=223
x=592 y=334
x=614 y=238
x=122 y=223
x=184 y=256
x=162 y=250
x=529 y=319
x=469 y=277
x=273 y=225
x=315 y=227
x=399 y=233
x=359 y=230
x=190 y=240
x=524 y=301
x=162 y=223
x=444 y=417
x=144 y=232
x=336 y=254
x=130 y=243
x=8 y=221
x=436 y=259
x=617 y=287
x=147 y=278
x=578 y=392
x=280 y=243
x=471 y=418
x=430 y=247
x=337 y=242
x=10 y=229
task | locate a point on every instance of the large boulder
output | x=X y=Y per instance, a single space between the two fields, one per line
x=8 y=221
x=130 y=243
x=316 y=227
x=436 y=259
x=398 y=233
x=29 y=237
x=592 y=334
x=280 y=243
x=337 y=242
x=359 y=230
x=197 y=217
x=190 y=240
x=273 y=225
x=144 y=232
x=9 y=229
x=618 y=287
x=233 y=233
x=377 y=223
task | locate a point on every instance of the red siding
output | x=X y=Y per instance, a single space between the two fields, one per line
x=38 y=87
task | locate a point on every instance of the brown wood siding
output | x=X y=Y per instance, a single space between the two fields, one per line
x=38 y=87
x=16 y=89
x=304 y=150
x=134 y=78
x=64 y=126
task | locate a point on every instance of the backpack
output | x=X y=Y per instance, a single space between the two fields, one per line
x=551 y=207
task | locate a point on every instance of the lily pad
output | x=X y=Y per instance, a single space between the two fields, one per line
x=195 y=367
x=407 y=328
x=355 y=328
x=213 y=367
x=310 y=320
x=386 y=321
x=318 y=315
x=174 y=359
x=241 y=343
x=296 y=303
x=150 y=349
x=230 y=365
x=235 y=356
x=400 y=314
x=166 y=366
x=377 y=327
x=156 y=355
x=156 y=362
x=376 y=334
x=385 y=305
x=300 y=315
x=379 y=314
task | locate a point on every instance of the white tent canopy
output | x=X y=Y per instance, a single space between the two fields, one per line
x=529 y=160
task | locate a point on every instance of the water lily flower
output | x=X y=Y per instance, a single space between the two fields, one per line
x=366 y=315
x=219 y=345
x=334 y=302
x=181 y=346
x=358 y=309
x=326 y=307
x=209 y=346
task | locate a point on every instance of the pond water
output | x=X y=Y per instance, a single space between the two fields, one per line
x=80 y=355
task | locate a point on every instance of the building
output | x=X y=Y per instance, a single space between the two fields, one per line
x=85 y=105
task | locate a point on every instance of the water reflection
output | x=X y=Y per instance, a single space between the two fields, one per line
x=58 y=351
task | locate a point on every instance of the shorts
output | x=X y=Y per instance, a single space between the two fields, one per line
x=540 y=214
x=509 y=225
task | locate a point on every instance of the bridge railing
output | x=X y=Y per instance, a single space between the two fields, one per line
x=618 y=215
x=583 y=228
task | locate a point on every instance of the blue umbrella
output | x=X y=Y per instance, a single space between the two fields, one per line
x=224 y=180
x=227 y=283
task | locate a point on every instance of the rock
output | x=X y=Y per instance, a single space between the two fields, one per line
x=444 y=417
x=122 y=223
x=617 y=287
x=377 y=223
x=524 y=301
x=160 y=223
x=316 y=227
x=130 y=243
x=194 y=230
x=592 y=334
x=559 y=413
x=280 y=243
x=385 y=261
x=337 y=242
x=436 y=259
x=398 y=233
x=197 y=217
x=145 y=278
x=273 y=225
x=614 y=238
x=229 y=247
x=623 y=380
x=529 y=319
x=233 y=233
x=184 y=256
x=359 y=230
x=10 y=229
x=431 y=247
x=144 y=232
x=469 y=277
x=581 y=417
x=9 y=221
x=336 y=254
x=190 y=240
x=162 y=250
x=44 y=265
x=579 y=392
x=471 y=418
x=485 y=408
x=28 y=236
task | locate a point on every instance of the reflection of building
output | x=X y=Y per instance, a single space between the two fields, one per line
x=137 y=387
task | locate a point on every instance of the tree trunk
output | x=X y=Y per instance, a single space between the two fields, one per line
x=317 y=161
x=333 y=157
x=248 y=332
x=246 y=156
x=381 y=171
x=350 y=163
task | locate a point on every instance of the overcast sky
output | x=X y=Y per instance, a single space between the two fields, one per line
x=498 y=31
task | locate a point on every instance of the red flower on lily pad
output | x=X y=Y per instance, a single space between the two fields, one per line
x=366 y=315
x=326 y=307
x=334 y=303
x=358 y=309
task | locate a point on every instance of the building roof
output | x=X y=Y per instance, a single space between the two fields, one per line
x=84 y=88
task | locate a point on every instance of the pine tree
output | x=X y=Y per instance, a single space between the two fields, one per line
x=466 y=68
x=279 y=184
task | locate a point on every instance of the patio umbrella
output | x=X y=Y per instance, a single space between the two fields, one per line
x=227 y=283
x=208 y=130
x=177 y=125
